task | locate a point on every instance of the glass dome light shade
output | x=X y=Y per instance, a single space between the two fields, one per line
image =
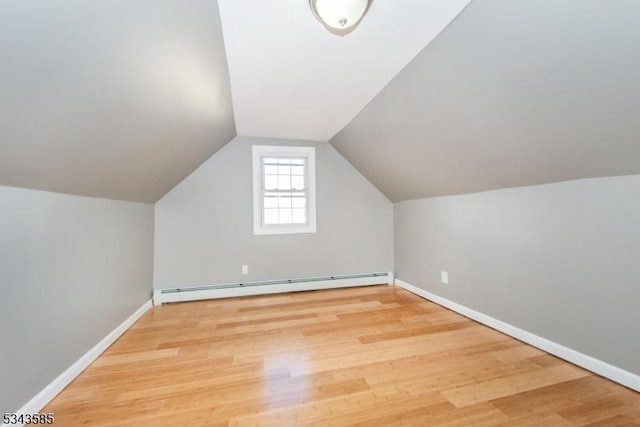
x=340 y=16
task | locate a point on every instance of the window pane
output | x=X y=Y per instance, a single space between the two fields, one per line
x=285 y=216
x=270 y=160
x=297 y=182
x=284 y=202
x=270 y=170
x=284 y=161
x=297 y=161
x=284 y=182
x=270 y=202
x=271 y=182
x=299 y=216
x=284 y=170
x=299 y=202
x=271 y=216
x=297 y=170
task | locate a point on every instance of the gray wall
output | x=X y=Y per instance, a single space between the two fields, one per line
x=558 y=260
x=204 y=226
x=118 y=99
x=511 y=93
x=71 y=270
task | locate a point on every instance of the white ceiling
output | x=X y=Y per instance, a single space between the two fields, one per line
x=291 y=78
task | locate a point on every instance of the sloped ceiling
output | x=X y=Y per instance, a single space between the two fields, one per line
x=512 y=93
x=123 y=99
x=293 y=79
x=117 y=99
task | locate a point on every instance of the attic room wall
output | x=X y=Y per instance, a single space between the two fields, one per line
x=204 y=226
x=558 y=260
x=113 y=99
x=71 y=270
x=511 y=93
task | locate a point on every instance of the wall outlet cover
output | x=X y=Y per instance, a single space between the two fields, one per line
x=444 y=277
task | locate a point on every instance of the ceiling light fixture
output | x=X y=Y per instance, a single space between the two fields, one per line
x=340 y=17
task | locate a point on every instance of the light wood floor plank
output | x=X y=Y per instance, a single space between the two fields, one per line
x=371 y=356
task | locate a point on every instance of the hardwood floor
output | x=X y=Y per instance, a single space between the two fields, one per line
x=357 y=357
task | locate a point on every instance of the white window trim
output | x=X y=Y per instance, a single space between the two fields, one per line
x=260 y=151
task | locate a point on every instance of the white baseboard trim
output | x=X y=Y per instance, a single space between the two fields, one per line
x=161 y=296
x=47 y=394
x=626 y=378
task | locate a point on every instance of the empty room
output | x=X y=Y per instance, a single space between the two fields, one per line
x=320 y=212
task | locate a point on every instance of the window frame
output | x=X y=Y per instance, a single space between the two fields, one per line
x=258 y=153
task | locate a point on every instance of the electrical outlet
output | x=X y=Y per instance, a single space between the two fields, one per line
x=444 y=277
x=245 y=269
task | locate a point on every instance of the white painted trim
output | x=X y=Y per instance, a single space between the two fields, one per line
x=597 y=366
x=47 y=394
x=241 y=291
x=391 y=278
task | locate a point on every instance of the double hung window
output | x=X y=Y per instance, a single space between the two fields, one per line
x=284 y=190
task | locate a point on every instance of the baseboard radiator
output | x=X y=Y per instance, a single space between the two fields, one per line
x=229 y=290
